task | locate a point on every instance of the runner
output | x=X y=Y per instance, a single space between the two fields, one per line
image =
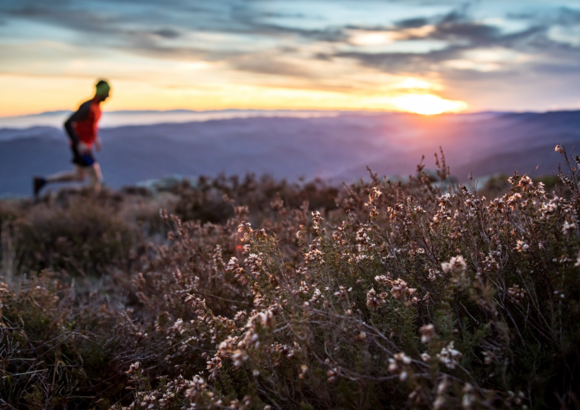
x=81 y=128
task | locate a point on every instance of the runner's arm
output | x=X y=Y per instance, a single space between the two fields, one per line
x=81 y=114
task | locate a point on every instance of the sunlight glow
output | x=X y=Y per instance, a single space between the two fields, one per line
x=411 y=83
x=373 y=38
x=427 y=104
x=406 y=94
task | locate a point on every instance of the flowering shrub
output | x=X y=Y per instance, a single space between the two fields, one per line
x=407 y=296
x=205 y=201
x=80 y=234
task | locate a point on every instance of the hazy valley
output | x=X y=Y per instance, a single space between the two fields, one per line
x=337 y=147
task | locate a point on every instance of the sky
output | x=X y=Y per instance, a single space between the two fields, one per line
x=418 y=56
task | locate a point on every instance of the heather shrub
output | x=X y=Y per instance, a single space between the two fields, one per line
x=77 y=234
x=400 y=295
x=59 y=347
x=142 y=213
x=498 y=185
x=210 y=199
x=418 y=298
x=7 y=213
x=7 y=252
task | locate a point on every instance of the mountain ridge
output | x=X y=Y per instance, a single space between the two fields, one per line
x=333 y=148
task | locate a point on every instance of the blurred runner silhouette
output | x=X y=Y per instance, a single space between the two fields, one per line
x=81 y=128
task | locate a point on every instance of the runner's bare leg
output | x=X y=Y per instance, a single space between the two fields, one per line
x=77 y=175
x=95 y=176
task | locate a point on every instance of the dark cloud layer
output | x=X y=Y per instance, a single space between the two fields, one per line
x=167 y=33
x=412 y=23
x=464 y=34
x=146 y=27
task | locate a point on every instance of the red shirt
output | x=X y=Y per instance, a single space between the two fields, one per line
x=85 y=121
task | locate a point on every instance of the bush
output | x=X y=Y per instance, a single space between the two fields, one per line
x=418 y=298
x=210 y=199
x=415 y=295
x=78 y=234
x=7 y=252
x=58 y=349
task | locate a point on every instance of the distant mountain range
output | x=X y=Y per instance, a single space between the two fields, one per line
x=334 y=146
x=143 y=117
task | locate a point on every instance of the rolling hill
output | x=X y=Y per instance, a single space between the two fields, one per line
x=337 y=147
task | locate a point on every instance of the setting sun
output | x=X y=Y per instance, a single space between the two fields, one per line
x=427 y=104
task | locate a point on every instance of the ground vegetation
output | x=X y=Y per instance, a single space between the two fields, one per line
x=252 y=293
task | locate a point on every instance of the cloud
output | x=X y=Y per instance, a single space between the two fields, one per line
x=458 y=27
x=280 y=41
x=270 y=64
x=412 y=22
x=144 y=28
x=568 y=17
x=399 y=62
x=465 y=36
x=79 y=20
x=167 y=33
x=227 y=16
x=472 y=32
x=560 y=15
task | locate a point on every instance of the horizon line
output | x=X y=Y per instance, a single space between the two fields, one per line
x=185 y=111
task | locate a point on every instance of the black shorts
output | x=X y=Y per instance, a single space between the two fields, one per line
x=84 y=160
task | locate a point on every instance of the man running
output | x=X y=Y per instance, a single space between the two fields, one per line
x=81 y=128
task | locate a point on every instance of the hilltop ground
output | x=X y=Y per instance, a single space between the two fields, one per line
x=255 y=293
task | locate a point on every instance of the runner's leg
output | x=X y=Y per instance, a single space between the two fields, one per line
x=95 y=176
x=78 y=175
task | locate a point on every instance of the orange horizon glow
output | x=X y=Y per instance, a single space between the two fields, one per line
x=31 y=95
x=428 y=104
x=270 y=55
